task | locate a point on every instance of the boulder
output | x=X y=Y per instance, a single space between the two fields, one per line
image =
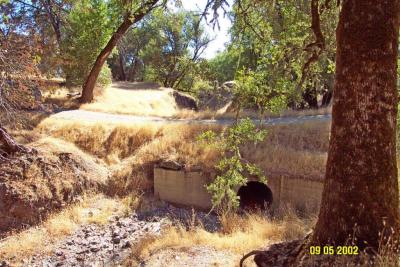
x=171 y=165
x=217 y=99
x=185 y=101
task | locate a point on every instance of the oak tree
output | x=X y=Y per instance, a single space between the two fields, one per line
x=360 y=200
x=134 y=13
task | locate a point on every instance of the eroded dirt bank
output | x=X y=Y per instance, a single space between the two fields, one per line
x=34 y=184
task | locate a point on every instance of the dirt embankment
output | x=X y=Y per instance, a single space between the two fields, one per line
x=34 y=184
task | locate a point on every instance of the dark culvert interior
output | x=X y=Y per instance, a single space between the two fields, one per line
x=255 y=196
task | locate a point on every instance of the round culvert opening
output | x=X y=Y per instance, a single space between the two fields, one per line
x=255 y=196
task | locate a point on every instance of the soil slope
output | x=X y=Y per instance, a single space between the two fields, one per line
x=34 y=184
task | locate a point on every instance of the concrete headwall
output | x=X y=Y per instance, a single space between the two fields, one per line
x=181 y=187
x=188 y=188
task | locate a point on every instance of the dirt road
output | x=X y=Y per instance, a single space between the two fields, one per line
x=100 y=117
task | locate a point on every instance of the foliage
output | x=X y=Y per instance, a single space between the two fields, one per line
x=18 y=64
x=223 y=66
x=127 y=64
x=271 y=36
x=166 y=47
x=232 y=167
x=254 y=90
x=90 y=25
x=105 y=76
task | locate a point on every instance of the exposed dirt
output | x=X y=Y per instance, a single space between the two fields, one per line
x=192 y=256
x=34 y=184
x=101 y=117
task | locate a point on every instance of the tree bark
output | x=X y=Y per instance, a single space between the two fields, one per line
x=129 y=20
x=121 y=67
x=360 y=200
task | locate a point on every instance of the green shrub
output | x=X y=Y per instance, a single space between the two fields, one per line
x=105 y=77
x=232 y=168
x=89 y=28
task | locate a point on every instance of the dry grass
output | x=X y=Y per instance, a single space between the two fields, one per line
x=147 y=102
x=299 y=150
x=216 y=114
x=42 y=239
x=59 y=96
x=131 y=151
x=147 y=142
x=239 y=234
x=148 y=99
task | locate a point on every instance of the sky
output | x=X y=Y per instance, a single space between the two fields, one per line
x=221 y=35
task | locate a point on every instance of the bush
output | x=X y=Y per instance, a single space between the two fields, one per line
x=105 y=77
x=89 y=28
x=232 y=167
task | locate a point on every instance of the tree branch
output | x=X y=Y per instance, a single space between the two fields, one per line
x=9 y=146
x=318 y=46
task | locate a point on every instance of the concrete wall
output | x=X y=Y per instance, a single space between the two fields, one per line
x=184 y=188
x=188 y=188
x=301 y=194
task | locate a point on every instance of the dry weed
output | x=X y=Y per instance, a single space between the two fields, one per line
x=131 y=151
x=217 y=114
x=239 y=234
x=144 y=102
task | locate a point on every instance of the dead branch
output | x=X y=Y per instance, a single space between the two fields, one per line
x=9 y=146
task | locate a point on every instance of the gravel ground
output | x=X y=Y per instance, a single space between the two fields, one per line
x=109 y=245
x=92 y=245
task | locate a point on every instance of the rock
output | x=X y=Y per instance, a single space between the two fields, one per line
x=127 y=244
x=185 y=101
x=116 y=240
x=4 y=264
x=82 y=251
x=171 y=165
x=217 y=98
x=94 y=249
x=59 y=263
x=124 y=235
x=115 y=233
x=59 y=253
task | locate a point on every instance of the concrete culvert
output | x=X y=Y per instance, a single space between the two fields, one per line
x=255 y=195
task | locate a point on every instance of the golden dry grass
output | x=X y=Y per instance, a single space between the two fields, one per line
x=131 y=151
x=59 y=96
x=239 y=234
x=148 y=99
x=217 y=114
x=299 y=149
x=95 y=209
x=147 y=102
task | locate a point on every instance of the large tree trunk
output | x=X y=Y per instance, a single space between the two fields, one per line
x=361 y=198
x=130 y=19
